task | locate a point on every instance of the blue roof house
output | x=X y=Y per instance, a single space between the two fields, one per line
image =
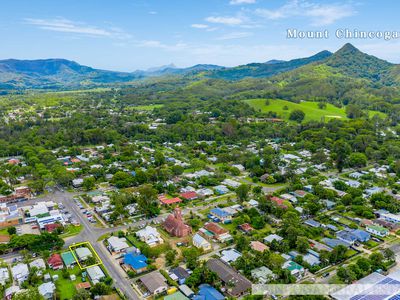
x=207 y=292
x=361 y=235
x=137 y=262
x=221 y=215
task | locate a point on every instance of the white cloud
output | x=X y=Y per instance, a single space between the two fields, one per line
x=199 y=26
x=68 y=26
x=225 y=20
x=320 y=14
x=160 y=45
x=240 y=2
x=153 y=12
x=235 y=35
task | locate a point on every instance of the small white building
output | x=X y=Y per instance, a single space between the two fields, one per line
x=95 y=274
x=47 y=290
x=201 y=243
x=150 y=236
x=38 y=263
x=117 y=245
x=83 y=253
x=20 y=273
x=4 y=276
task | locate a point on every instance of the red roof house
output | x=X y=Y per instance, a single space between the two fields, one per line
x=246 y=227
x=55 y=261
x=189 y=195
x=168 y=201
x=51 y=227
x=278 y=201
x=215 y=229
x=175 y=226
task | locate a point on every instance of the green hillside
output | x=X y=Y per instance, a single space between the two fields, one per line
x=311 y=109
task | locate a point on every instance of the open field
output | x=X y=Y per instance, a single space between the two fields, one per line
x=146 y=107
x=311 y=109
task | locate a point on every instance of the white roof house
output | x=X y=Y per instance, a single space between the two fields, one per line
x=20 y=273
x=150 y=236
x=9 y=292
x=95 y=273
x=231 y=183
x=83 y=253
x=272 y=237
x=38 y=263
x=4 y=276
x=200 y=242
x=47 y=290
x=263 y=274
x=230 y=255
x=117 y=244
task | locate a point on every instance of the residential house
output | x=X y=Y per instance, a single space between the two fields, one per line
x=116 y=244
x=154 y=282
x=55 y=261
x=95 y=274
x=246 y=228
x=136 y=262
x=4 y=276
x=179 y=274
x=295 y=269
x=176 y=296
x=38 y=263
x=236 y=284
x=204 y=192
x=273 y=237
x=277 y=201
x=9 y=292
x=230 y=255
x=20 y=273
x=150 y=236
x=258 y=246
x=168 y=201
x=175 y=225
x=220 y=215
x=377 y=230
x=68 y=259
x=83 y=253
x=231 y=183
x=221 y=190
x=353 y=235
x=187 y=291
x=217 y=232
x=190 y=195
x=312 y=223
x=201 y=243
x=332 y=243
x=207 y=292
x=263 y=275
x=47 y=290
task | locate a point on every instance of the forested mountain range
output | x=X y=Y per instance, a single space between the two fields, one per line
x=347 y=76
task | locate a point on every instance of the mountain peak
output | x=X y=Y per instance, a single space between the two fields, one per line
x=348 y=48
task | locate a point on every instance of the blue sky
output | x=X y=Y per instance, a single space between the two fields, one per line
x=137 y=34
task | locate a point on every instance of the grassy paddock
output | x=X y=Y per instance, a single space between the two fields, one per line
x=311 y=109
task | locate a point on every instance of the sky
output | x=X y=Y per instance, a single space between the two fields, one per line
x=127 y=35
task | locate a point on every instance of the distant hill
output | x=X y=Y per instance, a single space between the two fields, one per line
x=270 y=68
x=62 y=73
x=55 y=73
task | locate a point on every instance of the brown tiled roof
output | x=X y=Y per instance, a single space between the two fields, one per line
x=215 y=228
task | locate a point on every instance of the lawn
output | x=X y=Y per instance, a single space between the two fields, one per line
x=71 y=230
x=66 y=287
x=311 y=109
x=146 y=107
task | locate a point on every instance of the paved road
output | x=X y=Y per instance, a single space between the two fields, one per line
x=91 y=234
